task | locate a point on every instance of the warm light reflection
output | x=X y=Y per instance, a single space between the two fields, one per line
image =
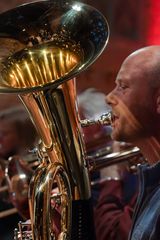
x=132 y=121
x=39 y=66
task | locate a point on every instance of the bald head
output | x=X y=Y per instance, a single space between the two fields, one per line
x=135 y=100
x=147 y=60
x=148 y=52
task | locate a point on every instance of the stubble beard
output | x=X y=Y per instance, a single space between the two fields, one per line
x=125 y=133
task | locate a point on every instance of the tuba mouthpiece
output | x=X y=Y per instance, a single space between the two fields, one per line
x=104 y=119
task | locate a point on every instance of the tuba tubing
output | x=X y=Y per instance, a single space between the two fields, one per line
x=62 y=144
x=132 y=156
x=40 y=57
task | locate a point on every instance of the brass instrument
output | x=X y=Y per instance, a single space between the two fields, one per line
x=131 y=156
x=101 y=158
x=18 y=175
x=43 y=46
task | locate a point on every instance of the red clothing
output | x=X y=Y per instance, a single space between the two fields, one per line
x=113 y=217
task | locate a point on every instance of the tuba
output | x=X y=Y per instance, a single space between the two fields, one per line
x=43 y=46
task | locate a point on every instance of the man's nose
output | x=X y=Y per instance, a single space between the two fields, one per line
x=111 y=99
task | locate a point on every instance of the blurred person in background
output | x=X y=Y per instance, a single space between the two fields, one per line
x=17 y=137
x=114 y=210
x=14 y=135
x=114 y=188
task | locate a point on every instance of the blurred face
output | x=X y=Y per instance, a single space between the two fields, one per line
x=132 y=102
x=9 y=140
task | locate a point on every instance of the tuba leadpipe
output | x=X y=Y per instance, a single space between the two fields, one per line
x=43 y=46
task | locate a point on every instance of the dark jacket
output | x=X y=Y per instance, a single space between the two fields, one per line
x=146 y=220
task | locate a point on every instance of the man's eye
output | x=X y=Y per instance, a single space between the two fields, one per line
x=122 y=86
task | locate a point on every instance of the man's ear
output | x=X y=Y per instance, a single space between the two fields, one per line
x=158 y=104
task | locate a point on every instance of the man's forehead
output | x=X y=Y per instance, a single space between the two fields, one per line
x=137 y=66
x=128 y=71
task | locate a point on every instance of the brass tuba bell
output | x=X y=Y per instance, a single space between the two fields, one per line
x=43 y=46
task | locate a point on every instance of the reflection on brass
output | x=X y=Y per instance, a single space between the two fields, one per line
x=18 y=175
x=105 y=119
x=133 y=156
x=45 y=45
x=38 y=66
